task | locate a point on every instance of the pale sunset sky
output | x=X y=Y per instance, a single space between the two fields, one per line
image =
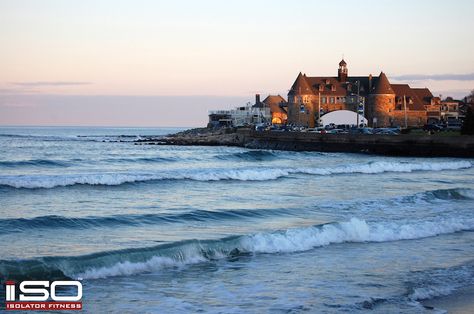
x=166 y=63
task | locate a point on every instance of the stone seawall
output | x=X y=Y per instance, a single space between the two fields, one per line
x=395 y=145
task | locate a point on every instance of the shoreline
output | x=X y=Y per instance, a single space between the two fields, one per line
x=461 y=301
x=386 y=145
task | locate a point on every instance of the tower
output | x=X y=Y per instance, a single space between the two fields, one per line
x=382 y=102
x=342 y=71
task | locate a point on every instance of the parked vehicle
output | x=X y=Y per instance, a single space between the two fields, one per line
x=453 y=126
x=387 y=131
x=432 y=127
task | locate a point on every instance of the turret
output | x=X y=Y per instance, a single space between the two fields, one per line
x=382 y=100
x=342 y=71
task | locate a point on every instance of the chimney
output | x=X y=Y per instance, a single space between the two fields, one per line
x=370 y=83
x=257 y=99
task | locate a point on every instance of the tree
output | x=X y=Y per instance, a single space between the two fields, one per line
x=468 y=123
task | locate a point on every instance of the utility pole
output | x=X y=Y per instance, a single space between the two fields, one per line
x=357 y=103
x=405 y=108
x=319 y=109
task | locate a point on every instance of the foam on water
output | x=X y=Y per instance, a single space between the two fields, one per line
x=239 y=174
x=133 y=261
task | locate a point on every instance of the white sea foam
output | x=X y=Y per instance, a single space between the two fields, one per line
x=291 y=240
x=130 y=268
x=355 y=230
x=430 y=292
x=241 y=174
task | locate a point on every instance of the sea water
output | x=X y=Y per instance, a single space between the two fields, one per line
x=173 y=229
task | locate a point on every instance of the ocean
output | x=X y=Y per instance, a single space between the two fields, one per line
x=181 y=229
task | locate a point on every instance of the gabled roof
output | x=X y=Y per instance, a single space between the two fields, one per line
x=383 y=86
x=410 y=94
x=327 y=82
x=273 y=102
x=424 y=94
x=300 y=86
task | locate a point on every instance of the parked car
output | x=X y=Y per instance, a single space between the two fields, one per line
x=432 y=127
x=361 y=131
x=387 y=131
x=453 y=126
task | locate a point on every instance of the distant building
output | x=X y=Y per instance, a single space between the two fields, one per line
x=240 y=116
x=382 y=103
x=277 y=106
x=446 y=110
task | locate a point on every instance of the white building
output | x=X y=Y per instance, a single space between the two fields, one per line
x=239 y=116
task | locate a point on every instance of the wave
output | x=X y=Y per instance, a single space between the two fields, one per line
x=438 y=282
x=141 y=159
x=34 y=162
x=251 y=155
x=53 y=221
x=239 y=174
x=11 y=225
x=178 y=254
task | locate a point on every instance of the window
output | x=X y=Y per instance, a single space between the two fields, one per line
x=323 y=100
x=321 y=87
x=331 y=100
x=333 y=88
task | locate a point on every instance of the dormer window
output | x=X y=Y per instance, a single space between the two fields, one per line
x=321 y=87
x=328 y=81
x=333 y=88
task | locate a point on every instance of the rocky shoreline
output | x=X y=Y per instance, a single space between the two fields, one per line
x=390 y=145
x=200 y=137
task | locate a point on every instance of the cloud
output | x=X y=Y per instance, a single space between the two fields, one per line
x=49 y=83
x=17 y=90
x=436 y=77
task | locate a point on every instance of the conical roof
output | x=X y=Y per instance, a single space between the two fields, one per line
x=383 y=85
x=301 y=86
x=342 y=63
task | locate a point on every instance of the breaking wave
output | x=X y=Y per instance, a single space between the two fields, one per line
x=178 y=254
x=240 y=174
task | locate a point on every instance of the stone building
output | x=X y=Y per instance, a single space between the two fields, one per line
x=277 y=105
x=382 y=103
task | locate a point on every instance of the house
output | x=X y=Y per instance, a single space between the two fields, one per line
x=277 y=106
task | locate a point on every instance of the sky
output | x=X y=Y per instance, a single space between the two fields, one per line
x=166 y=63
